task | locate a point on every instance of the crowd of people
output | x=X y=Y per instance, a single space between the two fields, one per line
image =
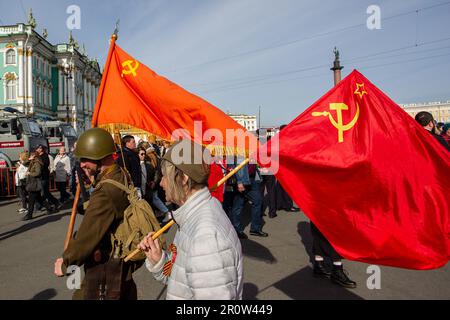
x=207 y=243
x=32 y=178
x=206 y=254
x=248 y=188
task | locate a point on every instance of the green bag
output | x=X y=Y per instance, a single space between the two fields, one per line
x=138 y=220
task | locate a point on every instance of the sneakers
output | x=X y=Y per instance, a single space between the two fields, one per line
x=22 y=210
x=51 y=210
x=59 y=205
x=27 y=217
x=340 y=277
x=259 y=233
x=320 y=271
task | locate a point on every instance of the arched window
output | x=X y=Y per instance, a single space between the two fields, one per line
x=10 y=56
x=11 y=89
x=44 y=95
x=38 y=94
x=50 y=97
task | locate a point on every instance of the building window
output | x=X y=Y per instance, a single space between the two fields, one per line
x=38 y=94
x=10 y=57
x=47 y=102
x=44 y=93
x=11 y=90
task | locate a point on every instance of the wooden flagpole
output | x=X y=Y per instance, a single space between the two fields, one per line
x=73 y=215
x=171 y=222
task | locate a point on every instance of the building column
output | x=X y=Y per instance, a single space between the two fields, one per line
x=96 y=92
x=21 y=79
x=336 y=67
x=84 y=94
x=29 y=91
x=60 y=88
x=92 y=95
x=70 y=89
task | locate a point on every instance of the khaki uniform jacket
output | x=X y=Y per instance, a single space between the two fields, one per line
x=104 y=212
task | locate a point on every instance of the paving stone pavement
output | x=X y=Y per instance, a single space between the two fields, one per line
x=275 y=268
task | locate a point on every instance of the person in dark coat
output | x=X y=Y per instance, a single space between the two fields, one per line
x=425 y=119
x=33 y=185
x=45 y=177
x=132 y=162
x=284 y=200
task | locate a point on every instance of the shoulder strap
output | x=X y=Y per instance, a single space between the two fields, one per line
x=116 y=184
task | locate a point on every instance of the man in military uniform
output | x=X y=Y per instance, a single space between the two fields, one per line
x=105 y=277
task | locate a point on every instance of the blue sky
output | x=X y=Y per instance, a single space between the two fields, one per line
x=242 y=54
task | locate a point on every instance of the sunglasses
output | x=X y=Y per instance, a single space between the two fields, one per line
x=142 y=154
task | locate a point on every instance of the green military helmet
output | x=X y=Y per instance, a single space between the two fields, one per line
x=95 y=144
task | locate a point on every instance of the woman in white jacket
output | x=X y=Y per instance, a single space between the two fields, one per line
x=205 y=259
x=20 y=179
x=62 y=173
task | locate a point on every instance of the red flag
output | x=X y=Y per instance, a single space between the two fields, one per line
x=133 y=94
x=369 y=177
x=215 y=175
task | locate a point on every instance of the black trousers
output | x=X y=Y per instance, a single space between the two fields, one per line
x=321 y=246
x=284 y=201
x=46 y=192
x=32 y=198
x=23 y=195
x=269 y=183
x=61 y=186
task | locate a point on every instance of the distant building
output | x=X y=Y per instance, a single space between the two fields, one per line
x=248 y=122
x=46 y=80
x=269 y=131
x=439 y=110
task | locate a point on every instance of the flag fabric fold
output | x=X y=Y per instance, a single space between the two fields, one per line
x=133 y=94
x=373 y=181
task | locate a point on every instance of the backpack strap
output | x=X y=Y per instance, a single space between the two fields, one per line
x=116 y=184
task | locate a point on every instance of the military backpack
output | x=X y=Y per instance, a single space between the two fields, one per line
x=138 y=220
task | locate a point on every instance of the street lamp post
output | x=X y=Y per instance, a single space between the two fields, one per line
x=68 y=74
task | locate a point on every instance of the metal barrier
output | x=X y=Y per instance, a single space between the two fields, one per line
x=8 y=184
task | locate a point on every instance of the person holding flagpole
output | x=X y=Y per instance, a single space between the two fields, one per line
x=106 y=277
x=205 y=260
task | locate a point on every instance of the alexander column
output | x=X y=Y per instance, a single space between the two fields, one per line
x=336 y=67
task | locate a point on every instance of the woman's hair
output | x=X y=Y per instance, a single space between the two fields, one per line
x=36 y=158
x=176 y=190
x=23 y=156
x=144 y=144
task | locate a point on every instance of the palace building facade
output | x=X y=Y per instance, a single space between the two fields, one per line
x=45 y=80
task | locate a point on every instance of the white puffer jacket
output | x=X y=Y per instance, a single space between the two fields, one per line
x=208 y=262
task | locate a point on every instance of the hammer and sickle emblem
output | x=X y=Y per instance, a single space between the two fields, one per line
x=131 y=69
x=338 y=123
